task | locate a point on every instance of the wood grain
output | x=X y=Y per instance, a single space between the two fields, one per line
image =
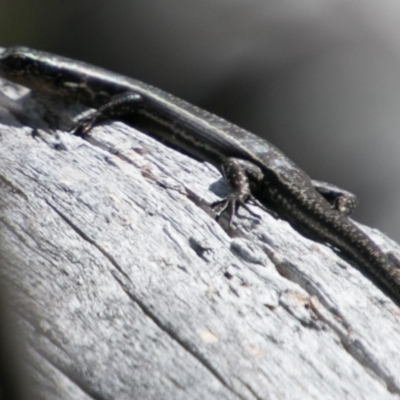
x=124 y=286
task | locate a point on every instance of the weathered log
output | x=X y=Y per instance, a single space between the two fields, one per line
x=125 y=287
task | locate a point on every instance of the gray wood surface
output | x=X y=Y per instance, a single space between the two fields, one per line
x=125 y=287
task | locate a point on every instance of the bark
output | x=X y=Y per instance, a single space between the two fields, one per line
x=123 y=286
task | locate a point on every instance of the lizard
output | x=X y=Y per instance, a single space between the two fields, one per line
x=256 y=171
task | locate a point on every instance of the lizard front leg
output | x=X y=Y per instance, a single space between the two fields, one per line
x=118 y=106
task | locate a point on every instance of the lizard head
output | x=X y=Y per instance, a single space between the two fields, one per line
x=34 y=69
x=23 y=66
x=48 y=73
x=14 y=59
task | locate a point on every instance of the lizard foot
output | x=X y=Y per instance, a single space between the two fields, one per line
x=85 y=124
x=233 y=202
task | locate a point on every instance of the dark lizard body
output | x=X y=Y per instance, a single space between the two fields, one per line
x=254 y=168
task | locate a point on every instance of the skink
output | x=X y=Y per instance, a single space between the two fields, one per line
x=254 y=168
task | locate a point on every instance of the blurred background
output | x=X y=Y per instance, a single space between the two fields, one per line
x=320 y=79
